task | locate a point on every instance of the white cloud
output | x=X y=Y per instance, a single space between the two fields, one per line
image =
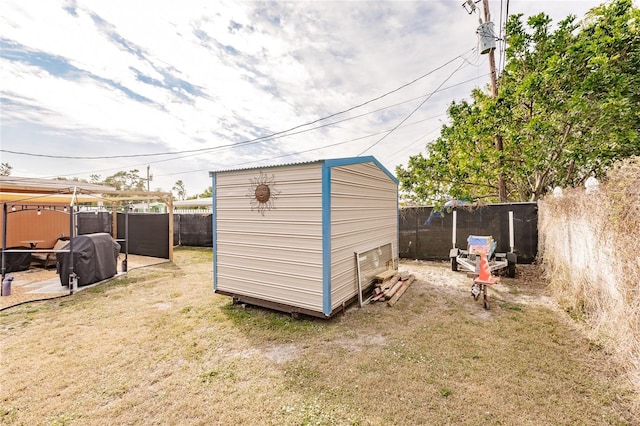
x=155 y=76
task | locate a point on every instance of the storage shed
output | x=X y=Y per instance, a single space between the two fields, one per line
x=286 y=236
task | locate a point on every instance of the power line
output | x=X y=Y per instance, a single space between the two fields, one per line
x=503 y=58
x=414 y=111
x=255 y=161
x=282 y=132
x=257 y=141
x=282 y=136
x=316 y=149
x=415 y=142
x=285 y=155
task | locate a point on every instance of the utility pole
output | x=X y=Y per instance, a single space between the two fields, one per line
x=492 y=58
x=149 y=178
x=487 y=41
x=502 y=187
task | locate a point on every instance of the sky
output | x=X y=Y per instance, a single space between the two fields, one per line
x=178 y=89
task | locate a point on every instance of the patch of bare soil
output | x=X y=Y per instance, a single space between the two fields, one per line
x=527 y=288
x=25 y=284
x=21 y=293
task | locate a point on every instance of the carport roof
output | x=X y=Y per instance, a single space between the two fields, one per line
x=57 y=191
x=48 y=186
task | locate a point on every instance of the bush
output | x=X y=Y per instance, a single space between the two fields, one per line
x=589 y=244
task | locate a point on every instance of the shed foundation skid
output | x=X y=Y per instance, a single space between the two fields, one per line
x=280 y=307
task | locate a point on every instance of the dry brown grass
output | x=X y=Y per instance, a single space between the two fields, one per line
x=158 y=347
x=589 y=245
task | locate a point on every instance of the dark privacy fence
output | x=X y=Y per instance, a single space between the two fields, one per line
x=427 y=234
x=91 y=223
x=193 y=230
x=147 y=234
x=424 y=234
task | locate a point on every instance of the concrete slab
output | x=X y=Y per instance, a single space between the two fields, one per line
x=37 y=284
x=50 y=286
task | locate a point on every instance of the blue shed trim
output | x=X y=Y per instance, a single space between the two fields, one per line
x=359 y=160
x=214 y=231
x=398 y=226
x=326 y=239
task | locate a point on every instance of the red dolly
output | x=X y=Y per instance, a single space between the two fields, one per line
x=483 y=280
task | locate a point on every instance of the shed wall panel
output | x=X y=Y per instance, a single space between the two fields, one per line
x=275 y=256
x=364 y=215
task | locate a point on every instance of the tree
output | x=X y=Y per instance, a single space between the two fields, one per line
x=179 y=190
x=126 y=181
x=5 y=169
x=566 y=107
x=460 y=162
x=71 y=179
x=208 y=193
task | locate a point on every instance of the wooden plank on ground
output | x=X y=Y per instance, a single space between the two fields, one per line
x=387 y=284
x=386 y=274
x=401 y=290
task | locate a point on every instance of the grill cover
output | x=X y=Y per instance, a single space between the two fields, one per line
x=15 y=262
x=95 y=258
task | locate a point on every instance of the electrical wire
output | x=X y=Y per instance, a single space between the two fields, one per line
x=414 y=111
x=503 y=58
x=280 y=156
x=311 y=149
x=393 y=155
x=500 y=38
x=467 y=61
x=278 y=137
x=282 y=132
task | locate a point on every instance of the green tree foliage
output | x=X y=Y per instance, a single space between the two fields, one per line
x=179 y=190
x=126 y=181
x=71 y=179
x=207 y=193
x=567 y=107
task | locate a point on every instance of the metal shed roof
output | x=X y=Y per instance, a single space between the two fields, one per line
x=330 y=162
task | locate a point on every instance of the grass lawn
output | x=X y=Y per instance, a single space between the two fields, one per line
x=159 y=347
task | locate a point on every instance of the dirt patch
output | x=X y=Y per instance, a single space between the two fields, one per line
x=281 y=353
x=24 y=286
x=20 y=293
x=361 y=342
x=527 y=288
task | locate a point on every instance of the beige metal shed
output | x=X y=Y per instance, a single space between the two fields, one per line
x=285 y=236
